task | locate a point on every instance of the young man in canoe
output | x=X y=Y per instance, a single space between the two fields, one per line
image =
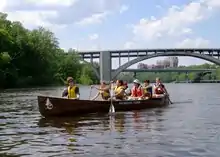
x=159 y=87
x=103 y=90
x=72 y=91
x=119 y=91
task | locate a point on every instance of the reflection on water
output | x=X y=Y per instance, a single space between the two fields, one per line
x=182 y=129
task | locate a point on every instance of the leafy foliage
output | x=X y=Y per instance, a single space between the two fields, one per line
x=34 y=58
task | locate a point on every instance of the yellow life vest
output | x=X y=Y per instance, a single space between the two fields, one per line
x=71 y=92
x=145 y=89
x=118 y=89
x=104 y=93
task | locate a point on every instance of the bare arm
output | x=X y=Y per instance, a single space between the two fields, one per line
x=65 y=93
x=77 y=90
x=120 y=93
x=165 y=90
x=106 y=88
x=102 y=89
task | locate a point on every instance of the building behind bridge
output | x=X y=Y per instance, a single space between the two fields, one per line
x=169 y=62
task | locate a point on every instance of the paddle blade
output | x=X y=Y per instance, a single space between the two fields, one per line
x=112 y=109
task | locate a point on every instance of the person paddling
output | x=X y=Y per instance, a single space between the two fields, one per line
x=159 y=87
x=103 y=90
x=72 y=91
x=119 y=90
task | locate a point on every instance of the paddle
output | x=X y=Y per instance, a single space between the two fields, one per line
x=90 y=93
x=112 y=108
x=168 y=97
x=170 y=100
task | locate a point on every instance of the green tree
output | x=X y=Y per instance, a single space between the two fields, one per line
x=34 y=58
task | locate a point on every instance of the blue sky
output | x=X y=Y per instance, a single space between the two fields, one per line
x=123 y=24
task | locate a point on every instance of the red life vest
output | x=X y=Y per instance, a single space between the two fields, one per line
x=137 y=92
x=159 y=89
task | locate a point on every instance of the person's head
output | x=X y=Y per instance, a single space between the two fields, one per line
x=136 y=83
x=119 y=83
x=103 y=83
x=158 y=80
x=146 y=82
x=70 y=81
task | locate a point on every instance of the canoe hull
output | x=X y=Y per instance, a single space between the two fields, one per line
x=54 y=106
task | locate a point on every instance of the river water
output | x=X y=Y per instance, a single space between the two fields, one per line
x=189 y=127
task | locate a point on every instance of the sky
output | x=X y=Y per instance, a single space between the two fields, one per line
x=123 y=24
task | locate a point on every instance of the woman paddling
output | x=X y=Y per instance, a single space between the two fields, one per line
x=103 y=90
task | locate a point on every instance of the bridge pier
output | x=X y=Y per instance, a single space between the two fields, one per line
x=105 y=66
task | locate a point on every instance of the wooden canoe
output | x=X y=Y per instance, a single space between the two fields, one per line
x=54 y=106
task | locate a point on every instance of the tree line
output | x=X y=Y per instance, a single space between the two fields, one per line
x=34 y=58
x=174 y=76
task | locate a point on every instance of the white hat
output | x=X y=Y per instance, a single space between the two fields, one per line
x=136 y=81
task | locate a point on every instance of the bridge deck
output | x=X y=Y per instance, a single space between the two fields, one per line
x=168 y=70
x=143 y=52
x=153 y=50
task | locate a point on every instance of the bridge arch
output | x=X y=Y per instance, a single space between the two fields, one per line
x=139 y=59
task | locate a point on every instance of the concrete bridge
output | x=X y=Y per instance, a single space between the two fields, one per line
x=105 y=58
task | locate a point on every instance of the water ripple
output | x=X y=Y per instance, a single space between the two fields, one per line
x=189 y=127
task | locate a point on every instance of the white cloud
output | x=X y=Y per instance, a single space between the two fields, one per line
x=175 y=24
x=158 y=6
x=32 y=18
x=123 y=9
x=186 y=31
x=52 y=2
x=56 y=12
x=212 y=3
x=93 y=19
x=193 y=43
x=129 y=45
x=175 y=20
x=93 y=37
